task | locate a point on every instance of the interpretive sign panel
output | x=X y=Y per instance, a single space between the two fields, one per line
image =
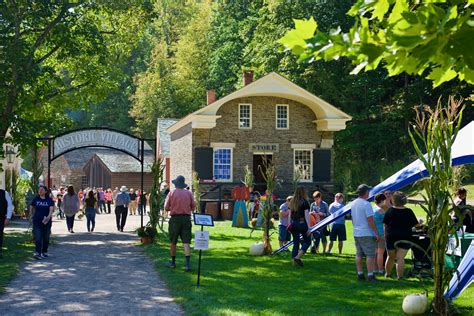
x=96 y=137
x=201 y=240
x=203 y=219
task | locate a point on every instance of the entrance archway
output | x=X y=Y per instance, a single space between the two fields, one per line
x=97 y=137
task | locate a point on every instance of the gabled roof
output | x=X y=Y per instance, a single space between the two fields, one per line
x=328 y=117
x=117 y=161
x=164 y=136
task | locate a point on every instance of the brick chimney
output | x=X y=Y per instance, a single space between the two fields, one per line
x=248 y=77
x=211 y=96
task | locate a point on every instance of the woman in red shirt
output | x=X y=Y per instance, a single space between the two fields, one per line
x=108 y=199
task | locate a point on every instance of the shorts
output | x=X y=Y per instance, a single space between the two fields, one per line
x=338 y=232
x=180 y=226
x=283 y=233
x=393 y=242
x=365 y=246
x=381 y=243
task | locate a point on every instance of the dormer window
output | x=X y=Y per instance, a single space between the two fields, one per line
x=245 y=116
x=282 y=116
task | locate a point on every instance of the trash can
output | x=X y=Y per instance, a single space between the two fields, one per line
x=227 y=210
x=212 y=209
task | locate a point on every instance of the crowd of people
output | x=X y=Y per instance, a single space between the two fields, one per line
x=66 y=204
x=383 y=233
x=383 y=230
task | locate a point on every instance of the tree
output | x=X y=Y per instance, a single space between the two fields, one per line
x=174 y=83
x=56 y=55
x=424 y=37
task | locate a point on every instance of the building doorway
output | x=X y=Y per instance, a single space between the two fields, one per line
x=260 y=161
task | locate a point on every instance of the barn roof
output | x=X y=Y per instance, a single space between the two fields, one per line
x=117 y=161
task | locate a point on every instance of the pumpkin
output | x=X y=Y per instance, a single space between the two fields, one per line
x=415 y=304
x=257 y=249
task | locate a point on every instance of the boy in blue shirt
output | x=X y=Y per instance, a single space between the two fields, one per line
x=283 y=235
x=338 y=229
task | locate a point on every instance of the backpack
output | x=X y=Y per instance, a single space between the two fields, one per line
x=3 y=202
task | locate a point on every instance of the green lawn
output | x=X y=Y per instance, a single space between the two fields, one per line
x=17 y=248
x=233 y=282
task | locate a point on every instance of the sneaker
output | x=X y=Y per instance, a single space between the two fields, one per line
x=371 y=279
x=401 y=278
x=170 y=265
x=187 y=269
x=388 y=276
x=360 y=277
x=44 y=255
x=72 y=232
x=37 y=256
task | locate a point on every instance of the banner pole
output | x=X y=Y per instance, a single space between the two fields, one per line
x=199 y=264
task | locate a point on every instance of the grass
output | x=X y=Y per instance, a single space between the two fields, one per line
x=233 y=282
x=17 y=248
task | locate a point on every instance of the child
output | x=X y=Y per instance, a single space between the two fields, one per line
x=283 y=235
x=338 y=229
x=379 y=214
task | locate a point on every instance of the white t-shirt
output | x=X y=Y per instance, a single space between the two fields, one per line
x=361 y=209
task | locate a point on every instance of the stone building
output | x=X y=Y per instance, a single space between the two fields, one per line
x=270 y=119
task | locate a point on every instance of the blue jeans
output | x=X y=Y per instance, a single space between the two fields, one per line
x=42 y=233
x=318 y=236
x=90 y=215
x=299 y=228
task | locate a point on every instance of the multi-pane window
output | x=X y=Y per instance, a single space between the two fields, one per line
x=245 y=116
x=223 y=164
x=84 y=182
x=303 y=164
x=282 y=116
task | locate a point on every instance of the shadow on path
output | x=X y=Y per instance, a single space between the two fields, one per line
x=89 y=274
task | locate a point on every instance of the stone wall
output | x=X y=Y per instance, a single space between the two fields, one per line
x=302 y=130
x=181 y=153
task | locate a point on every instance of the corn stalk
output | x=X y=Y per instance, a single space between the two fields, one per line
x=248 y=177
x=196 y=191
x=269 y=175
x=298 y=173
x=157 y=198
x=434 y=132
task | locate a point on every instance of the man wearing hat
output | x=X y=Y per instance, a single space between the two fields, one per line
x=180 y=204
x=365 y=232
x=121 y=207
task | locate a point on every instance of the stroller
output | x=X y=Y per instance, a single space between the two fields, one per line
x=421 y=256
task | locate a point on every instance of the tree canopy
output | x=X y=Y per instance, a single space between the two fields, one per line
x=423 y=37
x=58 y=55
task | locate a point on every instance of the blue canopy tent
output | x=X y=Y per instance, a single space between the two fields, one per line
x=465 y=275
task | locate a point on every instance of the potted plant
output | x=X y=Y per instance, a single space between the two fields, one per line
x=147 y=234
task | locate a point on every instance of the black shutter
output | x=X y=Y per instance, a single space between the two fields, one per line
x=322 y=165
x=203 y=157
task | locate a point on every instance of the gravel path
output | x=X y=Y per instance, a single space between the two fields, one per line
x=100 y=273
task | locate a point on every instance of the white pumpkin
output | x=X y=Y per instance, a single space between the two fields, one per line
x=415 y=304
x=256 y=249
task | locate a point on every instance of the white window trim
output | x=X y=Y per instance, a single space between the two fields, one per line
x=223 y=145
x=250 y=112
x=303 y=146
x=287 y=117
x=311 y=166
x=231 y=164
